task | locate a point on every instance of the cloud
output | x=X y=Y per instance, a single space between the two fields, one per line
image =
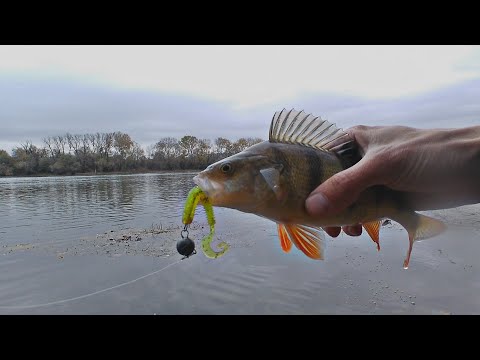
x=250 y=75
x=451 y=106
x=31 y=109
x=34 y=108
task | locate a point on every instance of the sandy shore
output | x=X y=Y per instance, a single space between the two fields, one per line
x=121 y=273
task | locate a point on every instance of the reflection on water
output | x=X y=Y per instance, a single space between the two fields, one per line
x=62 y=208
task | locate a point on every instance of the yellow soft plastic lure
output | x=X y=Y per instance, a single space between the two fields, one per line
x=194 y=198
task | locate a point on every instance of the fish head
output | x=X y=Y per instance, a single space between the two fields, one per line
x=236 y=181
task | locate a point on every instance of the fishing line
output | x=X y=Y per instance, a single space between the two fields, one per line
x=90 y=294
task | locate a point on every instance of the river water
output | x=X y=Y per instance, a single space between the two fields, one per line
x=106 y=245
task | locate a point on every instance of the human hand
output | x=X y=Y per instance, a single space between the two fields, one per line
x=434 y=168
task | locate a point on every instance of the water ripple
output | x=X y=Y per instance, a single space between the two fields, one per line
x=40 y=209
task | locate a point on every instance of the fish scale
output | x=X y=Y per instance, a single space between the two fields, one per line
x=273 y=179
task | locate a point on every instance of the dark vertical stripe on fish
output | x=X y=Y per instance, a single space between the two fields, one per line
x=315 y=169
x=280 y=157
x=347 y=154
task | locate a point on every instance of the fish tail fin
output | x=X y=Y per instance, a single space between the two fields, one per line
x=419 y=227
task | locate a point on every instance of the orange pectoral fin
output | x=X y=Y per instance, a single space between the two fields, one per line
x=373 y=229
x=284 y=240
x=308 y=240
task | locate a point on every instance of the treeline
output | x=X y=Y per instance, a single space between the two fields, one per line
x=115 y=152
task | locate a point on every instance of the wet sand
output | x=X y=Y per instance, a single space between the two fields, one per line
x=97 y=275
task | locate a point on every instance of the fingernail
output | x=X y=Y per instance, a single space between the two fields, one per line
x=317 y=204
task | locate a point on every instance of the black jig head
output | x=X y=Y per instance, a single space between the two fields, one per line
x=186 y=246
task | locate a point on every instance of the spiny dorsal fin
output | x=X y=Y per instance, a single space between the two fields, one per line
x=297 y=127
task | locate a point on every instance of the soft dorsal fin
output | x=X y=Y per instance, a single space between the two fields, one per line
x=297 y=127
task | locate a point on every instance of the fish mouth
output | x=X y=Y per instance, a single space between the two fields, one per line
x=209 y=187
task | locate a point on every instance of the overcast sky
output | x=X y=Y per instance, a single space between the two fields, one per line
x=151 y=92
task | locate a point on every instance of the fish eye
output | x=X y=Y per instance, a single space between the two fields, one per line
x=226 y=168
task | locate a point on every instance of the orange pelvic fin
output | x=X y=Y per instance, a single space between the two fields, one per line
x=307 y=239
x=284 y=240
x=373 y=229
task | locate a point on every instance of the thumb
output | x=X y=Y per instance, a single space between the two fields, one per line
x=339 y=191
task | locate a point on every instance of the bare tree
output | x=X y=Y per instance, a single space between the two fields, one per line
x=137 y=153
x=59 y=142
x=204 y=152
x=167 y=147
x=243 y=143
x=114 y=151
x=224 y=146
x=107 y=143
x=189 y=144
x=123 y=144
x=28 y=147
x=85 y=145
x=74 y=142
x=48 y=141
x=151 y=150
x=96 y=141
